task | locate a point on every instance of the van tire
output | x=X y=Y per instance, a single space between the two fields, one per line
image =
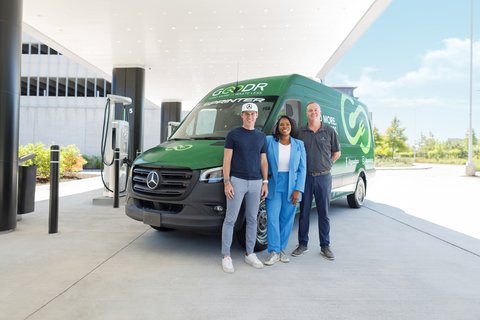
x=356 y=199
x=162 y=229
x=261 y=241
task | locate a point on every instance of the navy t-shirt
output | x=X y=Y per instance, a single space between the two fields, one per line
x=247 y=145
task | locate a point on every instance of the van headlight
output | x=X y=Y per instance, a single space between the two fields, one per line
x=211 y=175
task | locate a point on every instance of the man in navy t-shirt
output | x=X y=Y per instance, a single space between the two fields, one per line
x=245 y=173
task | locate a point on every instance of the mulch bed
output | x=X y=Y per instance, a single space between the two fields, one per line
x=65 y=178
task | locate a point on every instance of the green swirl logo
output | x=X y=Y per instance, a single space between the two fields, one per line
x=352 y=122
x=179 y=148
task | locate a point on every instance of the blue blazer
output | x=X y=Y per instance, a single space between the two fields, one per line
x=297 y=167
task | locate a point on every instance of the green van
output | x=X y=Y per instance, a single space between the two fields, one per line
x=179 y=184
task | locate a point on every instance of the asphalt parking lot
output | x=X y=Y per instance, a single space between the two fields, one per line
x=411 y=252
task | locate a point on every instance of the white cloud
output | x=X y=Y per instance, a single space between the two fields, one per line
x=433 y=97
x=449 y=65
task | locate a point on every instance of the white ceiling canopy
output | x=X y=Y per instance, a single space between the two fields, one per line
x=189 y=47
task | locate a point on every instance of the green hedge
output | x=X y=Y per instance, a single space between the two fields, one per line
x=70 y=158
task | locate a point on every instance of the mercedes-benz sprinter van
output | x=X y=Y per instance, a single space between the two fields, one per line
x=179 y=184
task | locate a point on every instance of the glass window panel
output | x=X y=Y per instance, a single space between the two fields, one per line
x=25 y=48
x=61 y=82
x=43 y=87
x=34 y=48
x=52 y=87
x=90 y=87
x=71 y=87
x=33 y=86
x=80 y=87
x=24 y=86
x=43 y=49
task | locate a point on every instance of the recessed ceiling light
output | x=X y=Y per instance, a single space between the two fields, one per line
x=190 y=12
x=265 y=10
x=159 y=40
x=173 y=28
x=287 y=25
x=129 y=51
x=151 y=28
x=128 y=29
x=139 y=40
x=241 y=26
x=200 y=40
x=196 y=27
x=179 y=40
x=164 y=13
x=138 y=60
x=240 y=11
x=292 y=10
x=219 y=27
x=119 y=41
x=167 y=51
x=214 y=12
x=264 y=25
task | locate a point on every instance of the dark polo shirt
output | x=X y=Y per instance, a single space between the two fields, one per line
x=319 y=145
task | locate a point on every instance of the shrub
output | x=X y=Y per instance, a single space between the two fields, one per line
x=42 y=160
x=70 y=158
x=93 y=162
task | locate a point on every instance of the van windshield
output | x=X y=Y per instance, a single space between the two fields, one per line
x=212 y=120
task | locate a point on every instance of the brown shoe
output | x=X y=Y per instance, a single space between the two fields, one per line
x=327 y=254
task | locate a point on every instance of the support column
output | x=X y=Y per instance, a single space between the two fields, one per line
x=170 y=111
x=10 y=62
x=130 y=82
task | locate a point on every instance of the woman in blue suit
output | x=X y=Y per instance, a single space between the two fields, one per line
x=286 y=171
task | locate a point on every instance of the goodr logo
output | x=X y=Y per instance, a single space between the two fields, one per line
x=360 y=117
x=179 y=148
x=253 y=87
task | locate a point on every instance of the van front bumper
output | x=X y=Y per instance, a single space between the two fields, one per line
x=198 y=212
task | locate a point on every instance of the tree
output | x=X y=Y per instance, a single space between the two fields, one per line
x=395 y=136
x=474 y=138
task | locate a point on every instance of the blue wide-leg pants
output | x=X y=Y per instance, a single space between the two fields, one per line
x=280 y=215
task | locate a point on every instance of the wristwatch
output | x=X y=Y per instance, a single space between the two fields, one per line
x=265 y=181
x=226 y=180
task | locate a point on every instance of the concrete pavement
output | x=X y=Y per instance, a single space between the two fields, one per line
x=391 y=262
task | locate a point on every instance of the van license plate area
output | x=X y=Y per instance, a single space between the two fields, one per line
x=151 y=218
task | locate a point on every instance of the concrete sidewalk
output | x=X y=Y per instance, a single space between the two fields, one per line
x=390 y=264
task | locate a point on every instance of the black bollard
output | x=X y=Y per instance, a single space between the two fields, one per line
x=54 y=176
x=116 y=172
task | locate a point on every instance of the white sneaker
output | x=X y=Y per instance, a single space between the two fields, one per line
x=272 y=258
x=227 y=265
x=252 y=259
x=283 y=256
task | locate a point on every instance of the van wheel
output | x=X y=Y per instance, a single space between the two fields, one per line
x=355 y=200
x=163 y=229
x=261 y=241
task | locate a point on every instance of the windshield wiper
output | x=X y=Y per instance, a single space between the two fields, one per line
x=209 y=138
x=179 y=139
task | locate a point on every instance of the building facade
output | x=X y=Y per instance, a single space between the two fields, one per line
x=62 y=102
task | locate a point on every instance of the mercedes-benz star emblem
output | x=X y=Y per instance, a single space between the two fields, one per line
x=152 y=180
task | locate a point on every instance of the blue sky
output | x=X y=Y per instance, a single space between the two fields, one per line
x=414 y=62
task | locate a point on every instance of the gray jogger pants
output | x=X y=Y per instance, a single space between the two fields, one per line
x=250 y=190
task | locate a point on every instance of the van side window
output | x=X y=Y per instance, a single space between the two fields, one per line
x=293 y=109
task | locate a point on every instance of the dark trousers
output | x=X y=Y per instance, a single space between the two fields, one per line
x=321 y=188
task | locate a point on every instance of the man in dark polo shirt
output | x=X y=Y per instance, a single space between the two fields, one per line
x=323 y=149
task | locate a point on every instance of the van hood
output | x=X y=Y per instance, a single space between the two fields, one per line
x=193 y=154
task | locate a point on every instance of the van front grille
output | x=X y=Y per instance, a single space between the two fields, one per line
x=168 y=182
